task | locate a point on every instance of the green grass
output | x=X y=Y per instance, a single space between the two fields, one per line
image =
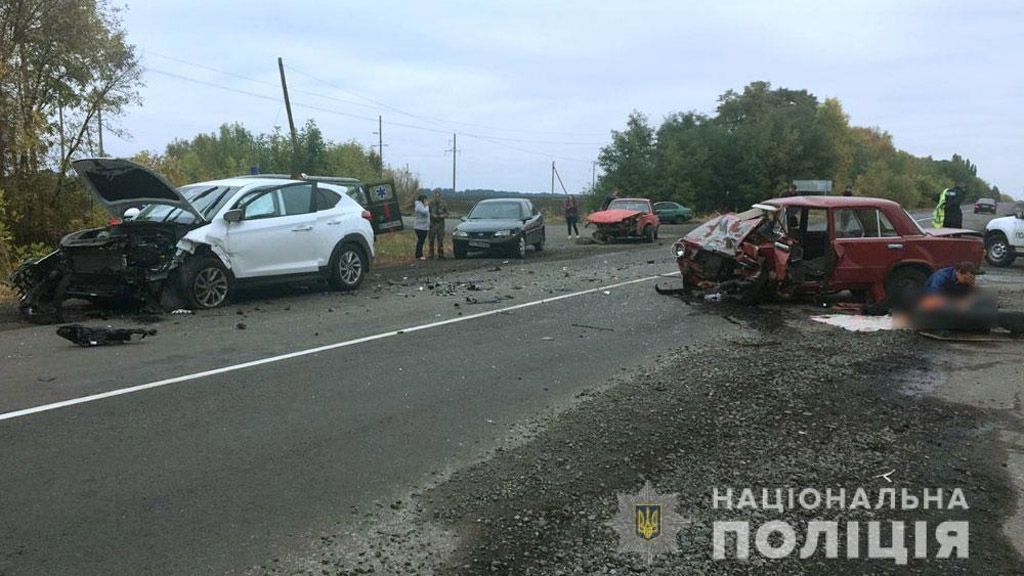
x=396 y=248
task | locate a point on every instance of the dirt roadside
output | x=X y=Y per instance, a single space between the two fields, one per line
x=787 y=404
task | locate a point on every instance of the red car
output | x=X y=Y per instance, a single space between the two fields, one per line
x=819 y=245
x=625 y=218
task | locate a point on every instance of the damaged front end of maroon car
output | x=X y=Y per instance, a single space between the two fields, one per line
x=740 y=256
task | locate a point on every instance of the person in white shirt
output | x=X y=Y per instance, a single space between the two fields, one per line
x=421 y=224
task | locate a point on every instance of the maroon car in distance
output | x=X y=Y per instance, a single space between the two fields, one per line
x=819 y=245
x=625 y=218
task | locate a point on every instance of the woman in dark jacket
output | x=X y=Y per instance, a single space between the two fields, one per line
x=572 y=215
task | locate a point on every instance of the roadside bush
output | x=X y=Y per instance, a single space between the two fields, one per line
x=8 y=254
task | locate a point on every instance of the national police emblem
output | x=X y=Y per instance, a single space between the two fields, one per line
x=647 y=522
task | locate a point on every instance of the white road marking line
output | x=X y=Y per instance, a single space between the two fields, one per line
x=308 y=351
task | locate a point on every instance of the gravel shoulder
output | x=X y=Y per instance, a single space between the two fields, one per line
x=783 y=404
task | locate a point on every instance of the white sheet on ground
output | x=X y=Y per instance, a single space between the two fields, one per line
x=858 y=323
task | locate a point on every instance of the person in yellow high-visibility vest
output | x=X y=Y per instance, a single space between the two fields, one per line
x=947 y=213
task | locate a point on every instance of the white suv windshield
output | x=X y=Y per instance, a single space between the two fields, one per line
x=205 y=199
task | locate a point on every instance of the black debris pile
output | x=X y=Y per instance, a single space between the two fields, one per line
x=453 y=288
x=88 y=337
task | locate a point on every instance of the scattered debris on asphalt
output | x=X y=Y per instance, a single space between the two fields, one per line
x=88 y=337
x=241 y=326
x=602 y=328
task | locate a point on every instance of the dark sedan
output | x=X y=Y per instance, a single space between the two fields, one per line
x=985 y=205
x=505 y=225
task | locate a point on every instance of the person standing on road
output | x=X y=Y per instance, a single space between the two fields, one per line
x=608 y=199
x=947 y=212
x=790 y=191
x=421 y=224
x=849 y=190
x=438 y=212
x=572 y=215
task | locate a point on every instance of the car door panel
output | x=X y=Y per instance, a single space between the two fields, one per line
x=270 y=244
x=382 y=203
x=863 y=260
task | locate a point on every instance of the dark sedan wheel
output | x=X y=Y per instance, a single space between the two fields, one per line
x=348 y=267
x=519 y=250
x=207 y=283
x=998 y=251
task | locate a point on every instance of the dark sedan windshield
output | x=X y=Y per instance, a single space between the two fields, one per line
x=496 y=211
x=205 y=199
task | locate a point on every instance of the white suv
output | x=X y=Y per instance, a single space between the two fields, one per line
x=202 y=240
x=1004 y=239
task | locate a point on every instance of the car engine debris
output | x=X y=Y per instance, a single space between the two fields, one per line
x=88 y=337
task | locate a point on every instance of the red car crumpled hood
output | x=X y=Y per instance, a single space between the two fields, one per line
x=611 y=216
x=723 y=234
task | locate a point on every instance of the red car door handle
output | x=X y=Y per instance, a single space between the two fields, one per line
x=894 y=246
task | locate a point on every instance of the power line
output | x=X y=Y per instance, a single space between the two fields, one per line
x=445 y=122
x=493 y=140
x=378 y=104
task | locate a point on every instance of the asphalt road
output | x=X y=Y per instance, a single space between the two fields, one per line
x=244 y=445
x=221 y=472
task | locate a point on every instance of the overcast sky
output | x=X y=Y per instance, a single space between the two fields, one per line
x=527 y=82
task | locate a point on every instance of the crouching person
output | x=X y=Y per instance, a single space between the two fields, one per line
x=951 y=301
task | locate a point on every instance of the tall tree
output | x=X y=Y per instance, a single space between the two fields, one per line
x=628 y=162
x=63 y=63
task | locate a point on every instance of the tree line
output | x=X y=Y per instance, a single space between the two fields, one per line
x=234 y=150
x=761 y=139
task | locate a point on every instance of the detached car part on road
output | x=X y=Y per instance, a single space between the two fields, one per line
x=819 y=245
x=1004 y=239
x=504 y=225
x=199 y=242
x=625 y=218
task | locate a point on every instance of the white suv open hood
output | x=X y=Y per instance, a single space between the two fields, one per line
x=119 y=184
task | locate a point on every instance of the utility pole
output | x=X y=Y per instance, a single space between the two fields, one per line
x=380 y=142
x=60 y=119
x=291 y=121
x=99 y=122
x=593 y=176
x=555 y=174
x=455 y=154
